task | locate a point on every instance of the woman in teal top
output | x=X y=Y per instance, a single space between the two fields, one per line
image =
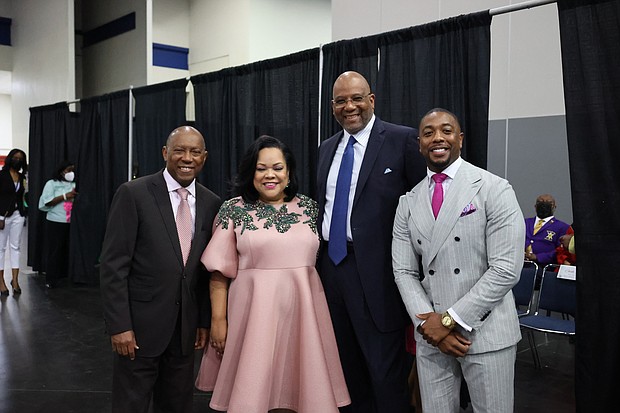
x=57 y=200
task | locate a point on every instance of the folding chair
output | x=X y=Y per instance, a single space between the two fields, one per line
x=523 y=291
x=555 y=295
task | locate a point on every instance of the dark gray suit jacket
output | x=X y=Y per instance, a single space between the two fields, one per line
x=144 y=284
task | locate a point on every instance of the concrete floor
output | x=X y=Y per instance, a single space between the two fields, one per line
x=55 y=356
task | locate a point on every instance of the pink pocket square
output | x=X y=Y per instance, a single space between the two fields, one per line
x=469 y=209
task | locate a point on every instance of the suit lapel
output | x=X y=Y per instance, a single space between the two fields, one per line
x=420 y=208
x=462 y=190
x=370 y=156
x=162 y=199
x=329 y=147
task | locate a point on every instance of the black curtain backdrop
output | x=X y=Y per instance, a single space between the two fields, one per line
x=159 y=110
x=101 y=167
x=441 y=64
x=360 y=55
x=277 y=97
x=445 y=64
x=48 y=146
x=590 y=41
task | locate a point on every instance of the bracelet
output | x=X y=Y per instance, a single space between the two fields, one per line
x=64 y=196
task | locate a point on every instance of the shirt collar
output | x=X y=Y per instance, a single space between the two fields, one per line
x=173 y=185
x=451 y=170
x=544 y=220
x=362 y=136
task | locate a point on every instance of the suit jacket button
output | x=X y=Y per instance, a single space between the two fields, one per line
x=419 y=242
x=457 y=239
x=456 y=271
x=431 y=272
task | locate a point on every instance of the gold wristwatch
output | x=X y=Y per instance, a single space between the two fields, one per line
x=447 y=321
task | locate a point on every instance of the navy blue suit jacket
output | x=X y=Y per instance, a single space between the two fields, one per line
x=392 y=165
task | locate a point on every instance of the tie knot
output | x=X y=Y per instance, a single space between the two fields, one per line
x=351 y=141
x=183 y=193
x=439 y=178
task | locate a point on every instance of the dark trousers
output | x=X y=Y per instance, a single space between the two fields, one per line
x=57 y=251
x=154 y=384
x=375 y=363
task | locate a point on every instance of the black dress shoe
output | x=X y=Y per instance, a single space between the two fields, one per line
x=15 y=290
x=4 y=293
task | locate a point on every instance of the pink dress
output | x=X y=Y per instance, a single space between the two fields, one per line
x=280 y=349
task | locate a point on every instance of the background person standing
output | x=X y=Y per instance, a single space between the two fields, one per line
x=57 y=202
x=13 y=214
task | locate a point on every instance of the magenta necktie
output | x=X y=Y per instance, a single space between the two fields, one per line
x=438 y=193
x=184 y=224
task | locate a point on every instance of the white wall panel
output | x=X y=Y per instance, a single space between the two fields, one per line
x=6 y=124
x=170 y=27
x=281 y=27
x=43 y=59
x=121 y=61
x=219 y=33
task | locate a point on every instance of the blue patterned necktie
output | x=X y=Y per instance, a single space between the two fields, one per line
x=337 y=246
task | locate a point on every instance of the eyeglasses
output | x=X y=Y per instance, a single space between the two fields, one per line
x=356 y=100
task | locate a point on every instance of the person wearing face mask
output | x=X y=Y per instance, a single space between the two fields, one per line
x=543 y=232
x=57 y=201
x=12 y=214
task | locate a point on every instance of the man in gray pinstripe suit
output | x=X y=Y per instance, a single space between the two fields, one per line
x=455 y=273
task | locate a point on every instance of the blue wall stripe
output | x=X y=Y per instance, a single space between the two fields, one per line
x=110 y=29
x=170 y=56
x=5 y=31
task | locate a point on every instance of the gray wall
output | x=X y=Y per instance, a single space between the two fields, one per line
x=532 y=153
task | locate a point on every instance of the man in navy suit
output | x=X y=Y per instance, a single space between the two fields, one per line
x=155 y=292
x=366 y=309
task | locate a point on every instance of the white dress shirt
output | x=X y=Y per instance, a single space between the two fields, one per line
x=450 y=171
x=359 y=149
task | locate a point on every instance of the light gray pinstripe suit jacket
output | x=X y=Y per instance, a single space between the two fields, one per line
x=470 y=257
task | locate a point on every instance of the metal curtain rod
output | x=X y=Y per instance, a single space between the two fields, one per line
x=519 y=6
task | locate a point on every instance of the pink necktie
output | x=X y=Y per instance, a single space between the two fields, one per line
x=184 y=224
x=438 y=193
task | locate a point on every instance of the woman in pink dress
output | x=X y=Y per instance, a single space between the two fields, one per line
x=272 y=346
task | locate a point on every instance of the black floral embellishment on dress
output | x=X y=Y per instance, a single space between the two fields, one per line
x=238 y=212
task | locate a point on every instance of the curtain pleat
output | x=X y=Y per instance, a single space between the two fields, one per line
x=101 y=167
x=48 y=146
x=159 y=110
x=277 y=97
x=441 y=64
x=590 y=43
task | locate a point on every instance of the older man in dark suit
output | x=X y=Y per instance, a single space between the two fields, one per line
x=154 y=288
x=362 y=172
